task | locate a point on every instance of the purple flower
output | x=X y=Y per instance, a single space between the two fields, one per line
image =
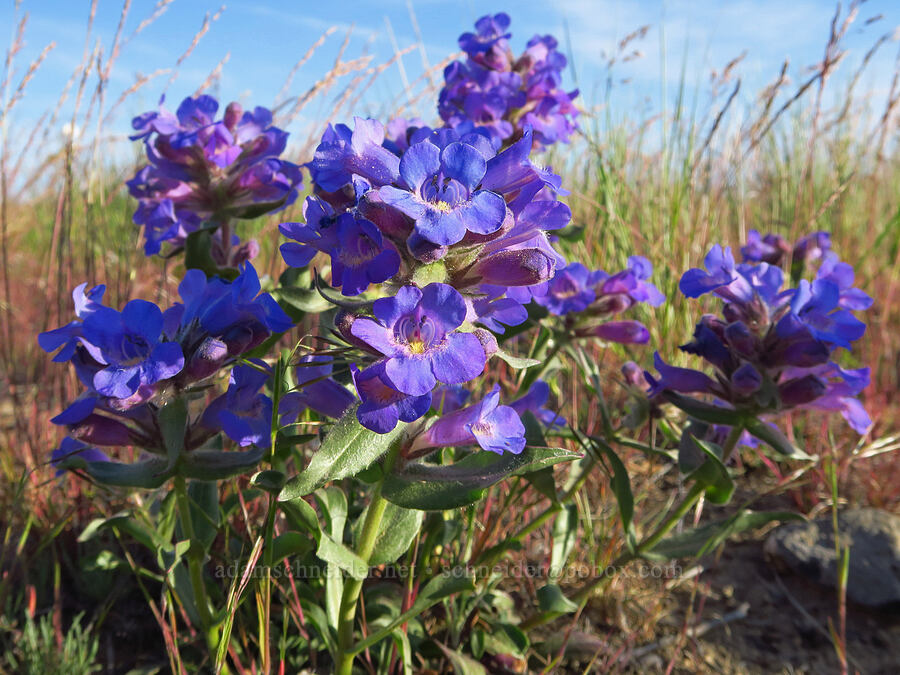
x=449 y=397
x=505 y=96
x=415 y=332
x=771 y=350
x=492 y=426
x=244 y=414
x=535 y=401
x=127 y=347
x=811 y=248
x=442 y=194
x=70 y=448
x=769 y=249
x=382 y=405
x=497 y=313
x=841 y=274
x=69 y=336
x=570 y=290
x=235 y=313
x=360 y=257
x=201 y=169
x=318 y=233
x=344 y=153
x=316 y=391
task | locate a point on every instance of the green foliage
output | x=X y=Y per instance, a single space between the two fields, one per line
x=34 y=649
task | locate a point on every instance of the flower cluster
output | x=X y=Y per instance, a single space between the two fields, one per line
x=589 y=299
x=458 y=230
x=207 y=171
x=496 y=92
x=773 y=349
x=134 y=361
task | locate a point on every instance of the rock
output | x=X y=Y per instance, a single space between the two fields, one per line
x=874 y=540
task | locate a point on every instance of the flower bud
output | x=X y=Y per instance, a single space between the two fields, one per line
x=524 y=267
x=801 y=390
x=487 y=340
x=633 y=373
x=624 y=332
x=101 y=430
x=746 y=379
x=424 y=250
x=233 y=114
x=206 y=360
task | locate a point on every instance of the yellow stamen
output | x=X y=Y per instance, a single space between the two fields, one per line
x=417 y=347
x=443 y=206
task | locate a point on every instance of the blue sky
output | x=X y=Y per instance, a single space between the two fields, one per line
x=266 y=38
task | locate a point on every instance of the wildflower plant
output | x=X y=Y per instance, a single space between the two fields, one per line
x=426 y=255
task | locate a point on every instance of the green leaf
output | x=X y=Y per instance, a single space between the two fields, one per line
x=342 y=557
x=348 y=449
x=148 y=473
x=517 y=362
x=507 y=639
x=269 y=480
x=126 y=522
x=704 y=412
x=173 y=419
x=204 y=505
x=398 y=528
x=404 y=650
x=289 y=544
x=565 y=534
x=713 y=473
x=333 y=504
x=462 y=664
x=212 y=465
x=197 y=253
x=698 y=541
x=255 y=210
x=301 y=516
x=305 y=300
x=777 y=440
x=551 y=599
x=430 y=487
x=435 y=272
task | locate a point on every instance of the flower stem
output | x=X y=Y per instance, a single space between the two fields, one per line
x=195 y=565
x=268 y=555
x=352 y=586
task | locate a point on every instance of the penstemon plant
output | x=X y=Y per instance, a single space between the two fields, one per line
x=424 y=254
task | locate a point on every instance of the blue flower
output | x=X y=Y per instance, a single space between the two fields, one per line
x=202 y=170
x=415 y=331
x=70 y=448
x=316 y=391
x=441 y=193
x=771 y=349
x=382 y=405
x=344 y=153
x=234 y=312
x=242 y=412
x=69 y=336
x=505 y=95
x=769 y=249
x=492 y=426
x=535 y=401
x=128 y=348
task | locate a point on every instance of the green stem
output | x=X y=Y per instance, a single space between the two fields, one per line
x=353 y=587
x=268 y=555
x=195 y=565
